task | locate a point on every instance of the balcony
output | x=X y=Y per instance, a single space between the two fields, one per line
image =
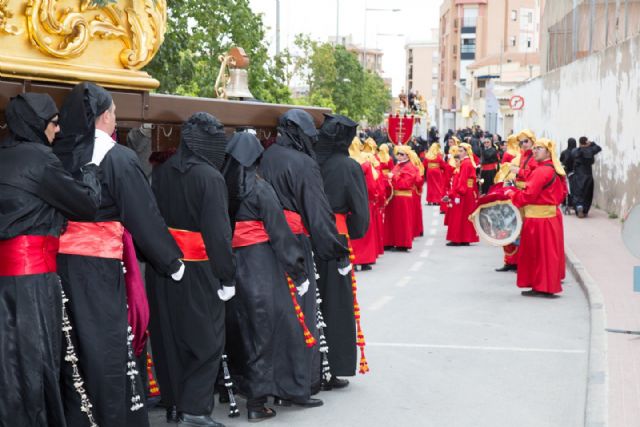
x=468 y=52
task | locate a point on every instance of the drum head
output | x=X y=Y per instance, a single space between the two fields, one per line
x=631 y=231
x=499 y=223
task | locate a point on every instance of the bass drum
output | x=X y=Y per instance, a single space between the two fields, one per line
x=498 y=223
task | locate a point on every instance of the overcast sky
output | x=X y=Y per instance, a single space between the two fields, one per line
x=318 y=18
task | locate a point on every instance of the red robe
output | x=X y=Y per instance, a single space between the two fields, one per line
x=384 y=192
x=460 y=229
x=435 y=172
x=541 y=265
x=366 y=248
x=399 y=221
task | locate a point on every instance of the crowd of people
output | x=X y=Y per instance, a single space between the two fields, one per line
x=248 y=251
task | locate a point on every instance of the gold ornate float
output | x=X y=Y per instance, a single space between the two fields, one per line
x=73 y=40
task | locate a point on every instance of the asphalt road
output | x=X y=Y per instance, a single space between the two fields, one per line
x=451 y=343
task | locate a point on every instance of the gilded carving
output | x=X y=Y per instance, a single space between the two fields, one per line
x=67 y=34
x=5 y=15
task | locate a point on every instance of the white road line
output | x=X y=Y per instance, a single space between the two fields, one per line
x=403 y=282
x=435 y=222
x=474 y=347
x=379 y=303
x=416 y=266
x=429 y=242
x=432 y=232
x=424 y=253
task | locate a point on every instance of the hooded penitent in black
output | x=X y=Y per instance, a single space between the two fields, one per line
x=265 y=342
x=581 y=182
x=187 y=318
x=36 y=194
x=346 y=191
x=95 y=285
x=490 y=163
x=295 y=176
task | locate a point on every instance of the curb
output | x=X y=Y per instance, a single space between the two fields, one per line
x=597 y=398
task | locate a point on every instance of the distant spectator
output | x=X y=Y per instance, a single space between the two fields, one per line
x=582 y=179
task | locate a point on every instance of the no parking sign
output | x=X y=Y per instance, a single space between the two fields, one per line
x=516 y=102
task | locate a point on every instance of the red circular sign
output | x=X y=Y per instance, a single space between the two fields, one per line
x=516 y=102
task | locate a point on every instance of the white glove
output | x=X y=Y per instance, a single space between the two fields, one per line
x=101 y=147
x=226 y=293
x=303 y=288
x=177 y=276
x=456 y=200
x=345 y=270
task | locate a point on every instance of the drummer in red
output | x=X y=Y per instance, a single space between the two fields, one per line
x=541 y=265
x=463 y=195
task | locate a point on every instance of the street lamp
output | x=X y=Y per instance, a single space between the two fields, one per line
x=371 y=9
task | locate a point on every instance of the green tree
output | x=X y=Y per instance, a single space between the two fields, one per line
x=336 y=80
x=198 y=32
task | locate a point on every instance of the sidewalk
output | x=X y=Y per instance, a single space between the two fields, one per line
x=597 y=244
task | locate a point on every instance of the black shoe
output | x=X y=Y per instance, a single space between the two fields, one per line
x=366 y=267
x=580 y=212
x=453 y=244
x=401 y=249
x=334 y=382
x=260 y=415
x=172 y=414
x=308 y=403
x=534 y=293
x=508 y=267
x=185 y=419
x=464 y=244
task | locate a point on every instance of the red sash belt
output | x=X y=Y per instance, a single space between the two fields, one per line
x=249 y=233
x=489 y=167
x=190 y=243
x=95 y=239
x=24 y=255
x=341 y=223
x=295 y=222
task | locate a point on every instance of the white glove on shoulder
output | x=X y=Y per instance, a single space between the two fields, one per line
x=177 y=276
x=456 y=200
x=226 y=293
x=303 y=288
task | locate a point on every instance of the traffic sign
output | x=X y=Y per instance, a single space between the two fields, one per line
x=516 y=102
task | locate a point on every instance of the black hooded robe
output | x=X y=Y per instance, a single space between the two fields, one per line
x=297 y=181
x=187 y=318
x=346 y=190
x=581 y=181
x=35 y=193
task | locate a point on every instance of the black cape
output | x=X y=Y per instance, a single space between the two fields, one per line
x=346 y=191
x=187 y=318
x=97 y=292
x=296 y=179
x=488 y=156
x=265 y=339
x=35 y=195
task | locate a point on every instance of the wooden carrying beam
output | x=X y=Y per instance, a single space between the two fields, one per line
x=135 y=108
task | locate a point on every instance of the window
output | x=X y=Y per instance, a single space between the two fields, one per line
x=454 y=75
x=512 y=41
x=434 y=70
x=529 y=41
x=468 y=46
x=514 y=15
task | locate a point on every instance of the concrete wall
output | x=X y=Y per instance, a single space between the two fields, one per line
x=599 y=97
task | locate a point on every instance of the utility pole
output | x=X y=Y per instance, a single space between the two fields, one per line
x=337 y=22
x=277 y=27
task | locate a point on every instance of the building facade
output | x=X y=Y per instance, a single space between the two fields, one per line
x=472 y=30
x=422 y=68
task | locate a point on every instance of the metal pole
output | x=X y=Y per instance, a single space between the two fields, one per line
x=277 y=27
x=337 y=22
x=606 y=24
x=364 y=41
x=592 y=7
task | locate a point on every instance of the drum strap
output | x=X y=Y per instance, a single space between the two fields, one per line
x=553 y=179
